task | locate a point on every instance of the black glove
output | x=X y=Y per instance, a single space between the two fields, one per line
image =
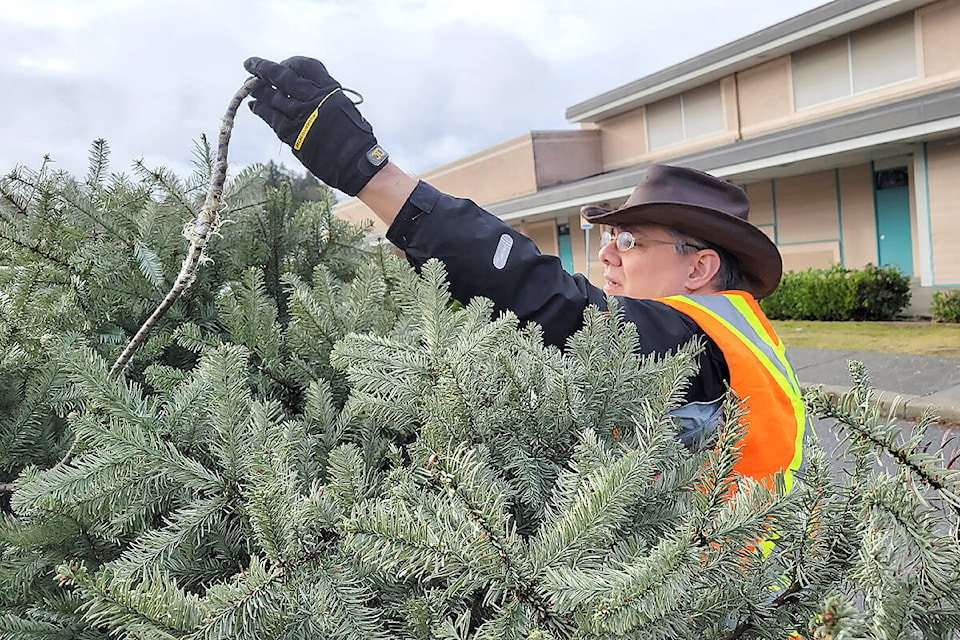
x=309 y=111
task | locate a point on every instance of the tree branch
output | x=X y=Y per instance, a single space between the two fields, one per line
x=782 y=599
x=198 y=232
x=35 y=249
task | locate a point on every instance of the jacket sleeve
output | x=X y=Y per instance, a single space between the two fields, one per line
x=485 y=257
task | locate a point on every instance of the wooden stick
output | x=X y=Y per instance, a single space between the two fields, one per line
x=197 y=232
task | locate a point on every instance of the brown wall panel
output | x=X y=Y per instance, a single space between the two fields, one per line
x=544 y=235
x=498 y=173
x=665 y=122
x=884 y=53
x=623 y=139
x=760 y=195
x=565 y=156
x=821 y=73
x=816 y=256
x=859 y=218
x=731 y=115
x=939 y=26
x=765 y=93
x=353 y=210
x=807 y=208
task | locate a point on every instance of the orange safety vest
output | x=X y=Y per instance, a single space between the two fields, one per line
x=761 y=376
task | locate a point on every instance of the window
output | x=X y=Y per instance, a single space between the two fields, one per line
x=880 y=55
x=891 y=178
x=665 y=122
x=883 y=55
x=688 y=116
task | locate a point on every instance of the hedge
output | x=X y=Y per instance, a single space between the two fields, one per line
x=871 y=293
x=946 y=306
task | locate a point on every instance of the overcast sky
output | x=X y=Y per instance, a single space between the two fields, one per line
x=440 y=78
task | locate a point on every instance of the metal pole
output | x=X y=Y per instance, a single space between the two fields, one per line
x=586 y=226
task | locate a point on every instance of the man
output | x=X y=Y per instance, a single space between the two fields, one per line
x=679 y=241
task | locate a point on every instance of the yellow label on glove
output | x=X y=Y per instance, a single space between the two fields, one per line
x=310 y=120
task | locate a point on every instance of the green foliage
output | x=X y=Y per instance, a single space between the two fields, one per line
x=303 y=186
x=871 y=293
x=946 y=306
x=904 y=555
x=93 y=257
x=319 y=443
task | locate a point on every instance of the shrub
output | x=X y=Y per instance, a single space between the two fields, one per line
x=881 y=293
x=946 y=306
x=871 y=293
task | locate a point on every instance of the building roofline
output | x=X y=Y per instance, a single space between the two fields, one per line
x=817 y=25
x=908 y=121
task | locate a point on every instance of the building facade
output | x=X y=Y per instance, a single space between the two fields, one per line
x=842 y=124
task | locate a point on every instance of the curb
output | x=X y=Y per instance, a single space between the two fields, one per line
x=905 y=406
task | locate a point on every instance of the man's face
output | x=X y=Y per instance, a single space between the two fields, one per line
x=653 y=268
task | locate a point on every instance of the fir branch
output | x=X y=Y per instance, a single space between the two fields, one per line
x=649 y=592
x=78 y=204
x=468 y=480
x=203 y=159
x=22 y=207
x=822 y=538
x=602 y=504
x=344 y=604
x=233 y=605
x=231 y=414
x=8 y=196
x=36 y=250
x=126 y=400
x=99 y=155
x=785 y=597
x=315 y=307
x=184 y=530
x=402 y=539
x=150 y=264
x=197 y=232
x=718 y=480
x=351 y=481
x=153 y=608
x=14 y=627
x=894 y=516
x=168 y=181
x=884 y=437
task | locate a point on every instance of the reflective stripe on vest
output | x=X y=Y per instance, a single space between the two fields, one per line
x=761 y=376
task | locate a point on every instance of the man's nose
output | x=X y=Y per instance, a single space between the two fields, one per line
x=608 y=254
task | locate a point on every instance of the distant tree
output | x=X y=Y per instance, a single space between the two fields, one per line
x=303 y=186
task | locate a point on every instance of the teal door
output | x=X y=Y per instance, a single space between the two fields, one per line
x=566 y=249
x=892 y=200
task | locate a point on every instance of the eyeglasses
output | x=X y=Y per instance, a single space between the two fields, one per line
x=626 y=241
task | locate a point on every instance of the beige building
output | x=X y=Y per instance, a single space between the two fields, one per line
x=842 y=123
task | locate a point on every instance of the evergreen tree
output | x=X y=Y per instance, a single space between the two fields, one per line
x=316 y=442
x=304 y=186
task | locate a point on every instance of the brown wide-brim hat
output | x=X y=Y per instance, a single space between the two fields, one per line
x=700 y=205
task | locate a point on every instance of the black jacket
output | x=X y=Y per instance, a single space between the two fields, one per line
x=486 y=257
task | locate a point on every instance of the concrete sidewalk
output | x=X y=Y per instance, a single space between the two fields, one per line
x=924 y=383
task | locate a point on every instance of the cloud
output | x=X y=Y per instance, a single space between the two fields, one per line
x=441 y=78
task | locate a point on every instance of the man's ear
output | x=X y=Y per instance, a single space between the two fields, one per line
x=703 y=267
